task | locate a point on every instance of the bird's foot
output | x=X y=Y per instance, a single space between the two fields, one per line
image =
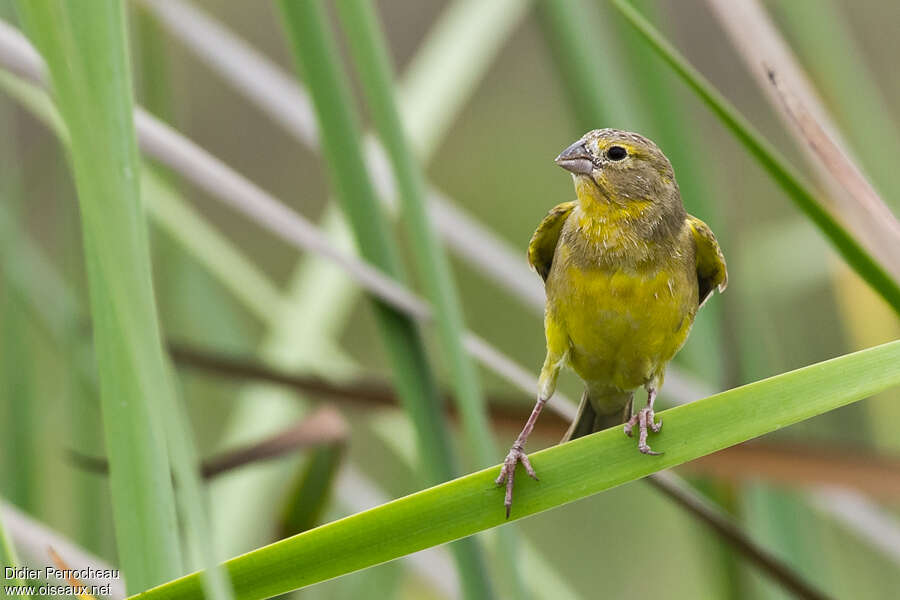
x=508 y=472
x=645 y=420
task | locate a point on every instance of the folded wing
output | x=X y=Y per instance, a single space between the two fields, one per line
x=543 y=242
x=711 y=271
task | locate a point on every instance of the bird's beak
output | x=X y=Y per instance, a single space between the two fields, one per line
x=576 y=159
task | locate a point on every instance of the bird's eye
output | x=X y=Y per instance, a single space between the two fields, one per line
x=616 y=153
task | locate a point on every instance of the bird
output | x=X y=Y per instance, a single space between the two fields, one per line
x=625 y=270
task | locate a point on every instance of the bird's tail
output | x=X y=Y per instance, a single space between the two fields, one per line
x=599 y=409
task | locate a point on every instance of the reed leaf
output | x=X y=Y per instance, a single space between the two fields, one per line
x=85 y=50
x=175 y=216
x=473 y=503
x=315 y=52
x=311 y=492
x=367 y=45
x=369 y=50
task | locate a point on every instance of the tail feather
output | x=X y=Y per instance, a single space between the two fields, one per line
x=616 y=407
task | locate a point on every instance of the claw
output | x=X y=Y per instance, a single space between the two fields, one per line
x=508 y=473
x=645 y=449
x=644 y=419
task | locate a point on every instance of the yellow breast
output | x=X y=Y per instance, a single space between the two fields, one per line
x=623 y=323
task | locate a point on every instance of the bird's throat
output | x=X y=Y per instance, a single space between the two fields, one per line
x=600 y=209
x=619 y=229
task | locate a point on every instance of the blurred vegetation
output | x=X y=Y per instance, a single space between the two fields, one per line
x=791 y=300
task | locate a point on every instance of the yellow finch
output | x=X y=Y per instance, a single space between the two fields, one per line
x=625 y=269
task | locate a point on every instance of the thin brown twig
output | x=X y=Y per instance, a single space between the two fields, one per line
x=326 y=426
x=723 y=525
x=362 y=393
x=240 y=368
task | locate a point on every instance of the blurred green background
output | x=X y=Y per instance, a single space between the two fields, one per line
x=790 y=301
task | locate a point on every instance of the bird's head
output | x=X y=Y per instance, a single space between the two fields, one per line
x=619 y=166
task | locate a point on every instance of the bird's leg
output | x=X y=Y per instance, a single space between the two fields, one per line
x=516 y=455
x=645 y=419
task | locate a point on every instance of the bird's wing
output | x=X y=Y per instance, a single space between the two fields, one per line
x=711 y=271
x=543 y=242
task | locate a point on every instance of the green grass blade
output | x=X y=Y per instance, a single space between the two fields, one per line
x=367 y=46
x=771 y=160
x=315 y=52
x=196 y=236
x=191 y=497
x=474 y=503
x=85 y=50
x=310 y=494
x=369 y=50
